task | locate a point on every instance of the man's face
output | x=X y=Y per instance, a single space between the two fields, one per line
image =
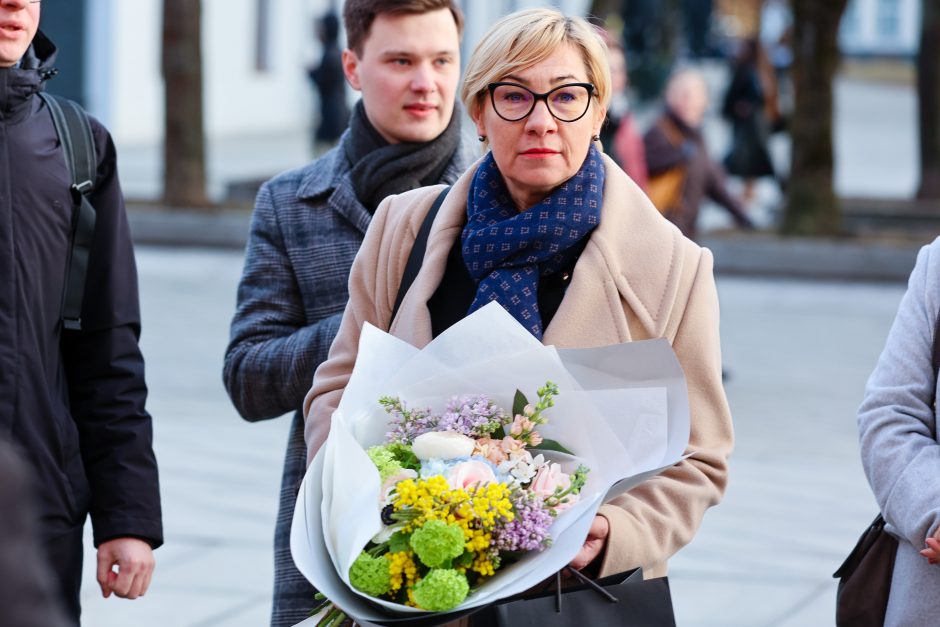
x=19 y=20
x=408 y=74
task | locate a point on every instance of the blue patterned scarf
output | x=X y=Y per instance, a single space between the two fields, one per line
x=506 y=251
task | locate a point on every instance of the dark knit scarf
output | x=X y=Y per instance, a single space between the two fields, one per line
x=506 y=250
x=380 y=169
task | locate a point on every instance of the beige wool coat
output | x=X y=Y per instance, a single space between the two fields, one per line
x=638 y=278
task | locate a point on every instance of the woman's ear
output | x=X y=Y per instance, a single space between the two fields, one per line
x=599 y=118
x=477 y=116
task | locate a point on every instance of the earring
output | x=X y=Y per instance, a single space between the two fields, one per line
x=482 y=138
x=596 y=138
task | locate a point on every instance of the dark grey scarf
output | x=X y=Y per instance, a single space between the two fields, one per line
x=380 y=169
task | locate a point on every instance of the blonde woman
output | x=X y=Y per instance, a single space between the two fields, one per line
x=591 y=263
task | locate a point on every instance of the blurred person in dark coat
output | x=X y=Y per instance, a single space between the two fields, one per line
x=330 y=83
x=71 y=399
x=750 y=104
x=682 y=174
x=27 y=593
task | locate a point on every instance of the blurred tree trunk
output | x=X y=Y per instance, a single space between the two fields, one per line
x=812 y=207
x=184 y=173
x=928 y=93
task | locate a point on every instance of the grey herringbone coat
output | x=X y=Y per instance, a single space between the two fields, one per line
x=900 y=446
x=305 y=231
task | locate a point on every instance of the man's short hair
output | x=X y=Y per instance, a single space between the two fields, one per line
x=358 y=16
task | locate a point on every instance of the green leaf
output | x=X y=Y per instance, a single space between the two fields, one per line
x=519 y=402
x=552 y=445
x=465 y=559
x=399 y=542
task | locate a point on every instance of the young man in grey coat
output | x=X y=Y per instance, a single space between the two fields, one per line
x=404 y=58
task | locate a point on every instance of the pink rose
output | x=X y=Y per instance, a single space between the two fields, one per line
x=470 y=473
x=548 y=478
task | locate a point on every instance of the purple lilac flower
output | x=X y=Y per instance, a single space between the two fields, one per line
x=528 y=531
x=472 y=415
x=405 y=424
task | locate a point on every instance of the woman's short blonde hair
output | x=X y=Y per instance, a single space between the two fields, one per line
x=524 y=38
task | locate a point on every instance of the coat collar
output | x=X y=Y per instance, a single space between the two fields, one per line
x=632 y=258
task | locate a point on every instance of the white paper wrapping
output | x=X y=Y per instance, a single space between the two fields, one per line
x=622 y=409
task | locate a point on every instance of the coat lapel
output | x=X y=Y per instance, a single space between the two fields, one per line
x=625 y=282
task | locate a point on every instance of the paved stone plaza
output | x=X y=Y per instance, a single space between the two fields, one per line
x=798 y=354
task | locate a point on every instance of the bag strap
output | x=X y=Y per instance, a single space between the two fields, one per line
x=416 y=257
x=78 y=144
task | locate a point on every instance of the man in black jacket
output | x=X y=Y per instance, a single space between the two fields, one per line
x=71 y=400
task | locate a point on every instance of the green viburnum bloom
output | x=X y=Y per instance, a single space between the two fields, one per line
x=370 y=574
x=436 y=543
x=385 y=461
x=443 y=589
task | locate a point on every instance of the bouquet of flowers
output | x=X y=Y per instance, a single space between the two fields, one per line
x=416 y=515
x=461 y=494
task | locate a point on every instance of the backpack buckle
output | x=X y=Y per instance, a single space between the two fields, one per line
x=83 y=188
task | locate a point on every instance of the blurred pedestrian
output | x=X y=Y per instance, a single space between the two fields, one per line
x=28 y=596
x=72 y=391
x=330 y=83
x=620 y=134
x=750 y=104
x=899 y=445
x=681 y=172
x=308 y=223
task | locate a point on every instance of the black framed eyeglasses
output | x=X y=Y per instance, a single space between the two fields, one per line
x=566 y=103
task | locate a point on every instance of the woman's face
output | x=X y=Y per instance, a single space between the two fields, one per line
x=538 y=153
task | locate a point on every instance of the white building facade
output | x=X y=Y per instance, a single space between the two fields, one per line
x=881 y=28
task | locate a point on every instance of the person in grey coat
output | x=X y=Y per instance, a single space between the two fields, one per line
x=900 y=449
x=308 y=224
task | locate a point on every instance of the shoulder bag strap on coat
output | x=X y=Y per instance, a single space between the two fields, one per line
x=74 y=132
x=416 y=257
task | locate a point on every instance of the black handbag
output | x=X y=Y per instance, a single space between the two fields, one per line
x=865 y=578
x=625 y=599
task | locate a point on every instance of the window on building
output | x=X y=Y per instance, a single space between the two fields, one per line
x=889 y=22
x=850 y=20
x=263 y=36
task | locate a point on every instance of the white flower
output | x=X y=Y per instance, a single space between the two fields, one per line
x=522 y=469
x=442 y=445
x=386 y=532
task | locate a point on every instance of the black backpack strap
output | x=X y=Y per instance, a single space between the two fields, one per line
x=78 y=144
x=416 y=257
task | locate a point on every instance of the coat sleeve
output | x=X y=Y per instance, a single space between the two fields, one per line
x=896 y=421
x=105 y=373
x=717 y=189
x=653 y=521
x=273 y=349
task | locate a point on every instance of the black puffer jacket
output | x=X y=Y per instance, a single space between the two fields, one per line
x=73 y=401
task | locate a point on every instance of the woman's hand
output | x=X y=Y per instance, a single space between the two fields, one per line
x=932 y=552
x=597 y=538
